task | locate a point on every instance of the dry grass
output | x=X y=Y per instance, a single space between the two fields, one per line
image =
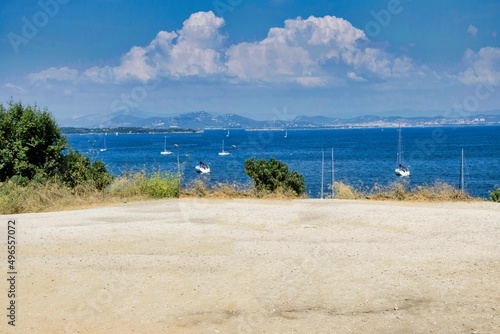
x=47 y=197
x=53 y=196
x=401 y=191
x=200 y=188
x=133 y=187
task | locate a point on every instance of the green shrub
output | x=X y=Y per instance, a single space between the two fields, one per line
x=77 y=169
x=160 y=185
x=274 y=175
x=30 y=142
x=495 y=195
x=32 y=151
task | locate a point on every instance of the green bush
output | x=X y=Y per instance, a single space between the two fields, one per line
x=32 y=150
x=160 y=185
x=30 y=142
x=495 y=195
x=77 y=169
x=274 y=175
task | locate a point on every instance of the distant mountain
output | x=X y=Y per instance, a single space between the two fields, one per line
x=204 y=120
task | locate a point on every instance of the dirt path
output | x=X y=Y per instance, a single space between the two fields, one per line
x=255 y=266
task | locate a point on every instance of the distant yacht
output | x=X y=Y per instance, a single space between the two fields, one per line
x=286 y=134
x=104 y=149
x=401 y=169
x=165 y=151
x=223 y=152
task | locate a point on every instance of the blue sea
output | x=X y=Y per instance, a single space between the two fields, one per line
x=362 y=157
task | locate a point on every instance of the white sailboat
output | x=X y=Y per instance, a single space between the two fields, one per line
x=165 y=151
x=286 y=134
x=401 y=169
x=462 y=181
x=227 y=135
x=223 y=152
x=103 y=149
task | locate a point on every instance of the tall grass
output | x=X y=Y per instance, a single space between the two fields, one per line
x=140 y=186
x=54 y=196
x=201 y=188
x=400 y=190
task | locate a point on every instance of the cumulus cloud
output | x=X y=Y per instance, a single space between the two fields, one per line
x=472 y=30
x=54 y=74
x=295 y=51
x=483 y=66
x=315 y=48
x=316 y=51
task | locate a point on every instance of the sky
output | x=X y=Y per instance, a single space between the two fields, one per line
x=274 y=59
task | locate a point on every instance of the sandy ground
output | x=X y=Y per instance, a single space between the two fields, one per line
x=255 y=266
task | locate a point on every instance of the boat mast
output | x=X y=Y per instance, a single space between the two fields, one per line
x=333 y=177
x=462 y=183
x=322 y=170
x=399 y=155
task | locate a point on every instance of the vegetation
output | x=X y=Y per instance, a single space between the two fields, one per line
x=495 y=195
x=401 y=191
x=274 y=176
x=32 y=150
x=31 y=144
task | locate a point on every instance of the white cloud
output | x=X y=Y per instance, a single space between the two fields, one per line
x=472 y=30
x=316 y=51
x=13 y=87
x=294 y=52
x=55 y=74
x=484 y=66
x=355 y=77
x=191 y=51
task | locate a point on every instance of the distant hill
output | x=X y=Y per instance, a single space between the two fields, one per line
x=203 y=120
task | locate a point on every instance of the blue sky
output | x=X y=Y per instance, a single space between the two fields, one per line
x=261 y=59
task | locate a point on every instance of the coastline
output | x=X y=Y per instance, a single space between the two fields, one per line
x=243 y=265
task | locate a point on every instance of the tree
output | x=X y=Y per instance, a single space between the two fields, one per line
x=31 y=143
x=32 y=148
x=272 y=175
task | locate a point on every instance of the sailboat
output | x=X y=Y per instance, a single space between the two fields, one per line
x=223 y=152
x=103 y=149
x=165 y=151
x=462 y=182
x=227 y=135
x=286 y=134
x=401 y=169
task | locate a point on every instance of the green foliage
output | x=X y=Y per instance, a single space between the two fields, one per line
x=495 y=195
x=274 y=175
x=161 y=185
x=31 y=143
x=31 y=150
x=140 y=185
x=77 y=169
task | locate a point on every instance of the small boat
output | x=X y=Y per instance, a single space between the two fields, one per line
x=227 y=135
x=201 y=168
x=223 y=152
x=286 y=134
x=165 y=151
x=401 y=169
x=104 y=149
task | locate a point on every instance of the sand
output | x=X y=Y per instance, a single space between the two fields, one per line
x=257 y=266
